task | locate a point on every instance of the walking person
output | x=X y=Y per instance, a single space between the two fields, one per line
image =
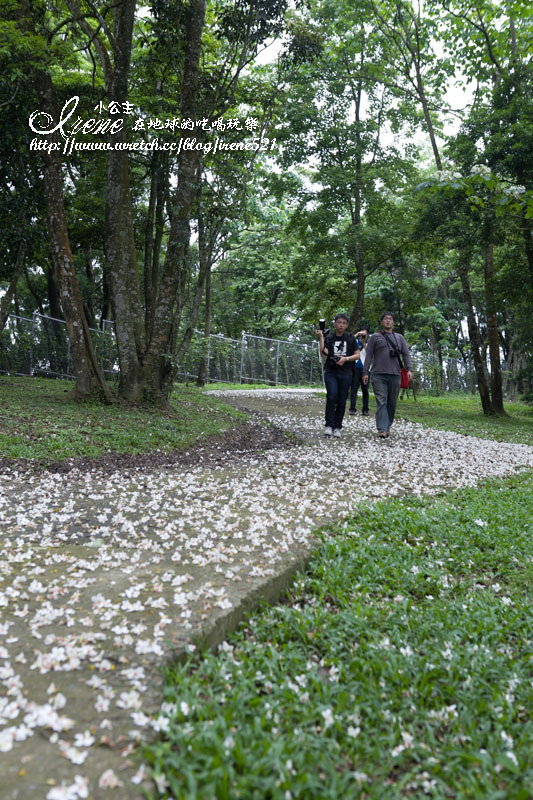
x=389 y=353
x=357 y=379
x=341 y=351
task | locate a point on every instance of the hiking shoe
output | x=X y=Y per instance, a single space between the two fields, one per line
x=366 y=413
x=352 y=411
x=336 y=433
x=327 y=431
x=382 y=434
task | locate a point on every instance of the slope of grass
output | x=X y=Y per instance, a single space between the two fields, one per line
x=400 y=667
x=38 y=421
x=462 y=413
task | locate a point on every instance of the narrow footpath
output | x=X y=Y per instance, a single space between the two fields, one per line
x=107 y=576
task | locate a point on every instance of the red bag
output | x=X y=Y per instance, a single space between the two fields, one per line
x=404 y=380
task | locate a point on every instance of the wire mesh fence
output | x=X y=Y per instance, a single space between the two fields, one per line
x=452 y=375
x=40 y=346
x=251 y=359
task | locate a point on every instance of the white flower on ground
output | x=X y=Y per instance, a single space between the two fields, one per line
x=161 y=783
x=75 y=755
x=507 y=740
x=79 y=790
x=101 y=704
x=447 y=653
x=130 y=700
x=84 y=739
x=328 y=718
x=108 y=780
x=407 y=741
x=22 y=733
x=161 y=724
x=140 y=719
x=6 y=739
x=139 y=775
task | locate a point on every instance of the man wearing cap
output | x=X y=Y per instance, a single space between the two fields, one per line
x=389 y=352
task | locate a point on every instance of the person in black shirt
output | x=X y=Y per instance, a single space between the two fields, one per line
x=341 y=351
x=357 y=380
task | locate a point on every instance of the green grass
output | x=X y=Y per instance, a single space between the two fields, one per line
x=39 y=421
x=462 y=413
x=400 y=667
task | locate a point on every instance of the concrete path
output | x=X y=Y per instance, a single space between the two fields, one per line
x=106 y=576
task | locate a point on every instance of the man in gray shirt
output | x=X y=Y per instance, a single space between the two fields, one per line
x=386 y=349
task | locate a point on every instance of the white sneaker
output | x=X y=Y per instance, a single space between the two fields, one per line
x=336 y=433
x=327 y=431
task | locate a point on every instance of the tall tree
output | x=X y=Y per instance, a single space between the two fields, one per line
x=31 y=26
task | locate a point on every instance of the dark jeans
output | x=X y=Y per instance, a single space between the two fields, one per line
x=357 y=381
x=386 y=390
x=337 y=387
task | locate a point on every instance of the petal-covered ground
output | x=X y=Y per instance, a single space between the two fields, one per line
x=104 y=576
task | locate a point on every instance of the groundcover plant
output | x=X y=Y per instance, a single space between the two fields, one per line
x=399 y=667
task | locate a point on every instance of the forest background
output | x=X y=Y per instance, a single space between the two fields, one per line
x=160 y=170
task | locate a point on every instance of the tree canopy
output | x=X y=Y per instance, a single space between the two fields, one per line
x=161 y=170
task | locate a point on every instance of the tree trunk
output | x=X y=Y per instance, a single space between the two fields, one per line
x=527 y=232
x=171 y=295
x=492 y=330
x=473 y=333
x=89 y=307
x=120 y=244
x=203 y=375
x=427 y=116
x=149 y=294
x=184 y=346
x=356 y=316
x=89 y=376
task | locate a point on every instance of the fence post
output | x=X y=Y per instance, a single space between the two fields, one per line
x=32 y=332
x=243 y=337
x=277 y=363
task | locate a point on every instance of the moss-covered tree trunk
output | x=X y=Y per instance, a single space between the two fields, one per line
x=171 y=297
x=119 y=238
x=89 y=376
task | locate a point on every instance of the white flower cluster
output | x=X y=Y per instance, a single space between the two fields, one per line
x=445 y=175
x=515 y=192
x=482 y=170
